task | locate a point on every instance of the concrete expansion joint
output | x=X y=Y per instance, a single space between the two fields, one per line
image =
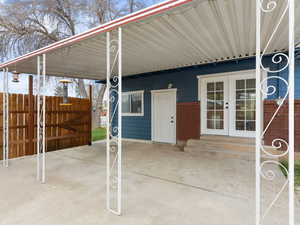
x=190 y=186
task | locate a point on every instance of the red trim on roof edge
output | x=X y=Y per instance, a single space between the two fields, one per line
x=99 y=29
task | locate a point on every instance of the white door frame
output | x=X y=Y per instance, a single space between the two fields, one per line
x=171 y=90
x=223 y=76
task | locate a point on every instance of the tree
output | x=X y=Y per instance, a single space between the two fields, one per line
x=37 y=24
x=58 y=91
x=26 y=25
x=102 y=11
x=134 y=5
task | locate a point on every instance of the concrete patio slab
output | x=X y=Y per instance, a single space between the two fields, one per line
x=162 y=186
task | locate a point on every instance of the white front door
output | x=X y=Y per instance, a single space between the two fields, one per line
x=228 y=105
x=164 y=116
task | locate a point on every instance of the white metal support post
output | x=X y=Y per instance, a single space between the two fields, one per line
x=286 y=62
x=258 y=122
x=107 y=121
x=5 y=118
x=41 y=118
x=114 y=122
x=120 y=125
x=291 y=112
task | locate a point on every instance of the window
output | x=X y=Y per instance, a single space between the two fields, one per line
x=133 y=103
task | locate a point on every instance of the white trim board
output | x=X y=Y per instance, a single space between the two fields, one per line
x=137 y=140
x=240 y=72
x=164 y=90
x=133 y=92
x=142 y=104
x=228 y=74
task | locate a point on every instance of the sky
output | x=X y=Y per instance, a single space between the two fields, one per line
x=22 y=86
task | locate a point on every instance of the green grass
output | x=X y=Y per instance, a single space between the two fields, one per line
x=297 y=172
x=99 y=134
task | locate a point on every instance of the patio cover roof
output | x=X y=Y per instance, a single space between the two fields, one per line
x=172 y=34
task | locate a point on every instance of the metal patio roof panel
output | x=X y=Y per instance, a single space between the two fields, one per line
x=195 y=33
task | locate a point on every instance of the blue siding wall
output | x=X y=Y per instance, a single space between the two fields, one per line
x=284 y=74
x=186 y=82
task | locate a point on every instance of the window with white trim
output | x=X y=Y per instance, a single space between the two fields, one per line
x=133 y=103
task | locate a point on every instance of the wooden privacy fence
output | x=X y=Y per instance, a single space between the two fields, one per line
x=66 y=126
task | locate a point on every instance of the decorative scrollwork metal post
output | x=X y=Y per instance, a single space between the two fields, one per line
x=5 y=118
x=41 y=118
x=284 y=62
x=114 y=122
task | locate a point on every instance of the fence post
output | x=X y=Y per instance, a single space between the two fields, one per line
x=90 y=117
x=30 y=117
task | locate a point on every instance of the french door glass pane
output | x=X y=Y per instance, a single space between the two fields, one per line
x=250 y=115
x=219 y=124
x=240 y=105
x=240 y=115
x=245 y=105
x=210 y=124
x=250 y=83
x=250 y=94
x=240 y=84
x=215 y=105
x=220 y=86
x=240 y=125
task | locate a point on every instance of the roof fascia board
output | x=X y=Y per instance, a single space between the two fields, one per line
x=152 y=10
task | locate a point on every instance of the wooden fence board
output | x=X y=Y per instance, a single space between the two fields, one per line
x=66 y=126
x=13 y=122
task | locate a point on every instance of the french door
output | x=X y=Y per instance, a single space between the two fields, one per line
x=242 y=106
x=228 y=105
x=214 y=110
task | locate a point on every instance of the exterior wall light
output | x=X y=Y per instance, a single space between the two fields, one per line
x=66 y=100
x=15 y=76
